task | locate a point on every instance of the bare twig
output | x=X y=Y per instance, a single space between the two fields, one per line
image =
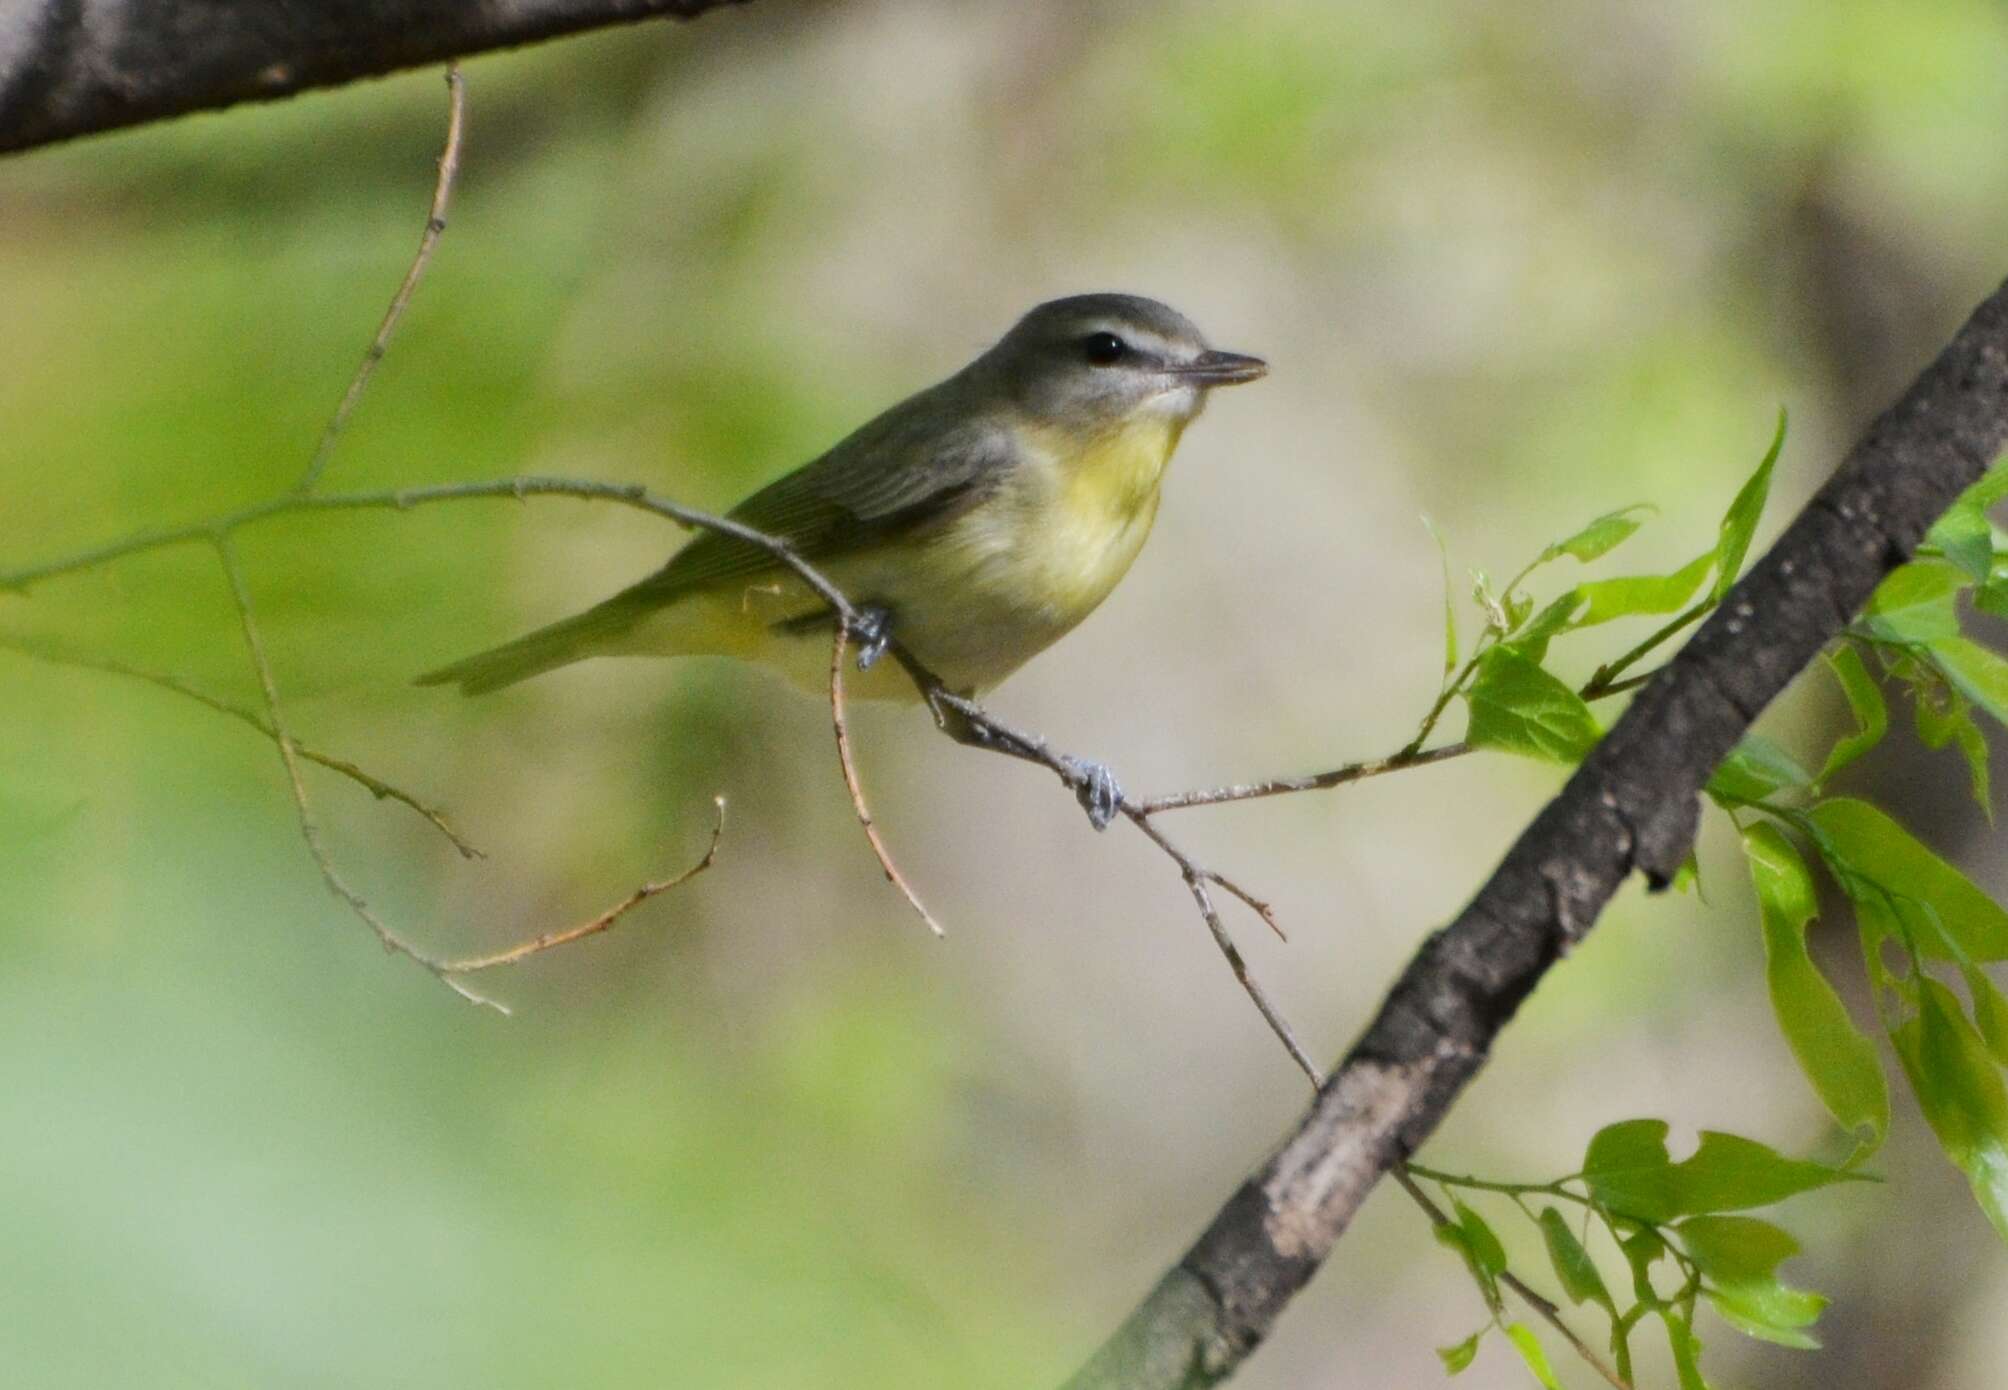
x=469 y=964
x=375 y=786
x=254 y=646
x=1543 y=1306
x=839 y=646
x=1283 y=786
x=435 y=224
x=967 y=722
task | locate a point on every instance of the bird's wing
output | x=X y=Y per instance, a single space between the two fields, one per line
x=899 y=472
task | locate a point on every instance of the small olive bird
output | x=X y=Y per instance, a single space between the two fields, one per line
x=979 y=520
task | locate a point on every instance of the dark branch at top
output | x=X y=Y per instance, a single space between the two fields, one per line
x=72 y=67
x=1633 y=804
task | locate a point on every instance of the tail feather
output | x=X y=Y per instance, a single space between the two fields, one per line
x=560 y=644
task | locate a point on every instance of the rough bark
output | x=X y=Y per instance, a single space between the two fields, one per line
x=1632 y=805
x=71 y=67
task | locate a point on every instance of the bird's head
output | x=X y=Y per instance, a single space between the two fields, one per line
x=1095 y=362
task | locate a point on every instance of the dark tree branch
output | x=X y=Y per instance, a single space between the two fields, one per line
x=73 y=67
x=1633 y=804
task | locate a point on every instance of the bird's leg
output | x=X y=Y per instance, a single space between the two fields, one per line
x=872 y=626
x=1096 y=788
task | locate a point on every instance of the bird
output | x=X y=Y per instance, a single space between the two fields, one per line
x=976 y=522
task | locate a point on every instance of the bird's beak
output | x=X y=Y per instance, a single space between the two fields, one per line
x=1221 y=369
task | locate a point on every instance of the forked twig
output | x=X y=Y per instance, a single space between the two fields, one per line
x=1543 y=1306
x=839 y=646
x=375 y=786
x=467 y=965
x=435 y=224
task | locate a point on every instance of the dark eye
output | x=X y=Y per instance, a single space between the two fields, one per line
x=1103 y=349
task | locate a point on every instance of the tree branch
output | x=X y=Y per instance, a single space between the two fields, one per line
x=73 y=67
x=1633 y=804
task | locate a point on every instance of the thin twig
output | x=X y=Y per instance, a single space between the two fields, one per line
x=967 y=722
x=839 y=646
x=254 y=646
x=435 y=224
x=523 y=951
x=1544 y=1307
x=1283 y=786
x=375 y=786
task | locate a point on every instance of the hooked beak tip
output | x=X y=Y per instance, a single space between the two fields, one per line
x=1212 y=368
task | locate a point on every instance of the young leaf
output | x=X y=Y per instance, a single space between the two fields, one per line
x=1484 y=1245
x=1977 y=673
x=1456 y=1358
x=1529 y=1346
x=1739 y=523
x=1944 y=716
x=1990 y=1012
x=1836 y=1057
x=1865 y=700
x=1964 y=533
x=1630 y=1174
x=1449 y=599
x=1532 y=640
x=1454 y=1236
x=1755 y=769
x=1517 y=706
x=1739 y=1256
x=1580 y=1278
x=1871 y=856
x=1915 y=603
x=1605 y=599
x=1961 y=1094
x=1600 y=537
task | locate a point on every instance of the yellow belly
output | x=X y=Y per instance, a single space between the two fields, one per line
x=973 y=599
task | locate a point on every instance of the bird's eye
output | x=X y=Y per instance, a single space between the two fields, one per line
x=1103 y=349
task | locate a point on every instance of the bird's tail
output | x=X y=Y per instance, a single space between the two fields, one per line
x=571 y=639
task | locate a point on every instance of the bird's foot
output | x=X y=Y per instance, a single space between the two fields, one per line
x=1100 y=795
x=872 y=626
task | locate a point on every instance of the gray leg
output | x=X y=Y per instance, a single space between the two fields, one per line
x=873 y=628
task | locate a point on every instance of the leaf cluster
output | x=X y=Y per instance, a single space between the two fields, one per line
x=1926 y=931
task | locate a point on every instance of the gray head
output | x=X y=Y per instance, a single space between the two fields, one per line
x=1095 y=361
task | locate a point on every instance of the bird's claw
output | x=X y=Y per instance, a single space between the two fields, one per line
x=872 y=626
x=1100 y=795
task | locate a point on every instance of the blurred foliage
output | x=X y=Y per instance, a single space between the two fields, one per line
x=1512 y=264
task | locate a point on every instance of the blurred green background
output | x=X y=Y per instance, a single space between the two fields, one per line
x=1514 y=266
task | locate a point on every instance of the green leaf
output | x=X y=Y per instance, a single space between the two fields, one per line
x=1456 y=1237
x=1944 y=716
x=1529 y=1346
x=1518 y=707
x=1449 y=599
x=1977 y=673
x=1961 y=1094
x=1915 y=603
x=1990 y=1012
x=1600 y=537
x=1580 y=1278
x=1755 y=769
x=1484 y=1244
x=1630 y=1174
x=1992 y=597
x=1605 y=599
x=1963 y=536
x=1837 y=1057
x=1964 y=532
x=1739 y=523
x=1865 y=700
x=1456 y=1358
x=1739 y=1256
x=1534 y=637
x=1871 y=855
